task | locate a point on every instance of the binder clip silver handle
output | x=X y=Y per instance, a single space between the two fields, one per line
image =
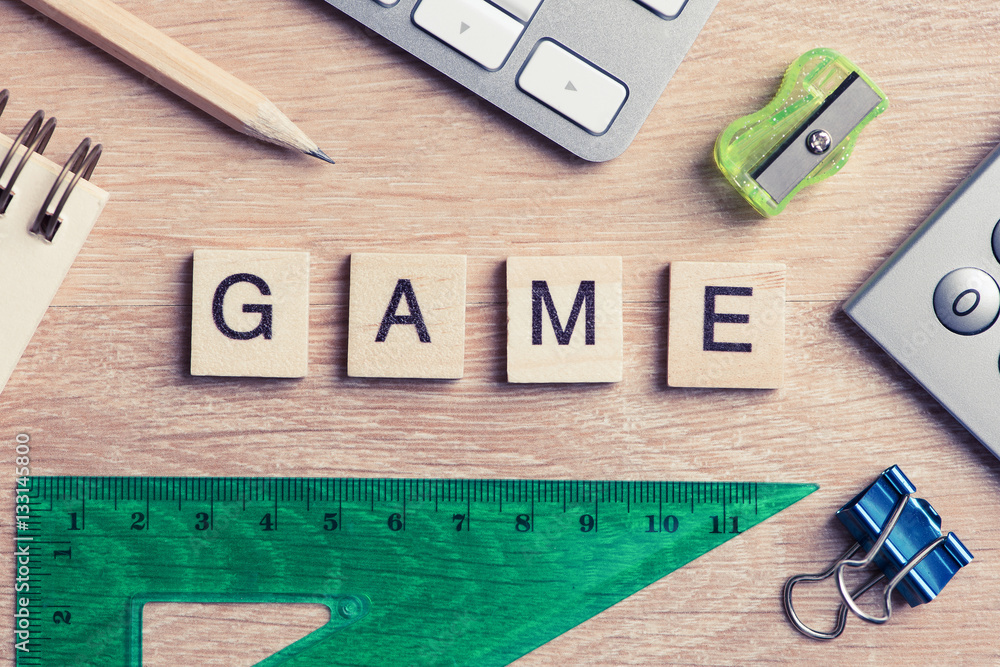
x=841 y=610
x=849 y=597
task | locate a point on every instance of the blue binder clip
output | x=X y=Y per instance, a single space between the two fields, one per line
x=902 y=536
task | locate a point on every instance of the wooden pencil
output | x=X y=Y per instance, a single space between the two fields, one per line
x=179 y=69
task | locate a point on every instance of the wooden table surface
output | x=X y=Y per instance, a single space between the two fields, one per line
x=425 y=167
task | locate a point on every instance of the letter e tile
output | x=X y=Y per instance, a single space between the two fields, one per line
x=727 y=325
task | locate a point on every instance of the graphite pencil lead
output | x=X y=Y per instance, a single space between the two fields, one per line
x=321 y=155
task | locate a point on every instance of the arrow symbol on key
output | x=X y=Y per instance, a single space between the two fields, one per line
x=570 y=86
x=463 y=28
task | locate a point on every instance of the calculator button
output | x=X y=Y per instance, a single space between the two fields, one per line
x=387 y=3
x=666 y=9
x=967 y=301
x=569 y=84
x=473 y=27
x=996 y=241
x=522 y=9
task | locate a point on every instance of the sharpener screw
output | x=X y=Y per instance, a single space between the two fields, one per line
x=819 y=142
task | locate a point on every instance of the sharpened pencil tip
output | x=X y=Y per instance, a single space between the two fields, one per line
x=321 y=155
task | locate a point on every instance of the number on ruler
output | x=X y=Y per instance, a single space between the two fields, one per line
x=670 y=524
x=715 y=525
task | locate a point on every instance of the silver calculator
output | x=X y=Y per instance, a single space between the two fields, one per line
x=933 y=305
x=584 y=73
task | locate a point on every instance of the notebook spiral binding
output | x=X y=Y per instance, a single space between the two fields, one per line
x=34 y=136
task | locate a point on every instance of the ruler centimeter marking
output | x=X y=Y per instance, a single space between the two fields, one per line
x=458 y=571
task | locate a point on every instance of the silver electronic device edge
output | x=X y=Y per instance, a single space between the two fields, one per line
x=895 y=306
x=620 y=36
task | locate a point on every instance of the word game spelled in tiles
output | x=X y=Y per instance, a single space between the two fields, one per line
x=564 y=319
x=406 y=316
x=727 y=325
x=250 y=313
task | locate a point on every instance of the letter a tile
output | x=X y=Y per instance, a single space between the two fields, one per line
x=407 y=316
x=250 y=313
x=564 y=319
x=727 y=325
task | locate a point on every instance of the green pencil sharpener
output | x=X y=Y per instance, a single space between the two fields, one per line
x=805 y=134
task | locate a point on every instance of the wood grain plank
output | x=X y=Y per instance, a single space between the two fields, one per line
x=426 y=167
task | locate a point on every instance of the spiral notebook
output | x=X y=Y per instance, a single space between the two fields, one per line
x=46 y=212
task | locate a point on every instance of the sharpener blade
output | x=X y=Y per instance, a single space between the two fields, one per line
x=793 y=161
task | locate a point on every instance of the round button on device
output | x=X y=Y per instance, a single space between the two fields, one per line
x=996 y=241
x=967 y=301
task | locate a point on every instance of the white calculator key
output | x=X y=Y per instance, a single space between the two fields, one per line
x=572 y=86
x=667 y=9
x=387 y=3
x=967 y=301
x=522 y=9
x=474 y=27
x=996 y=241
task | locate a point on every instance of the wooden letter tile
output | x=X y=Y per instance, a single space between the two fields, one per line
x=564 y=319
x=727 y=325
x=407 y=316
x=250 y=313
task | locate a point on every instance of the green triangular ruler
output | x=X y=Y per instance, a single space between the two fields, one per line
x=415 y=572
